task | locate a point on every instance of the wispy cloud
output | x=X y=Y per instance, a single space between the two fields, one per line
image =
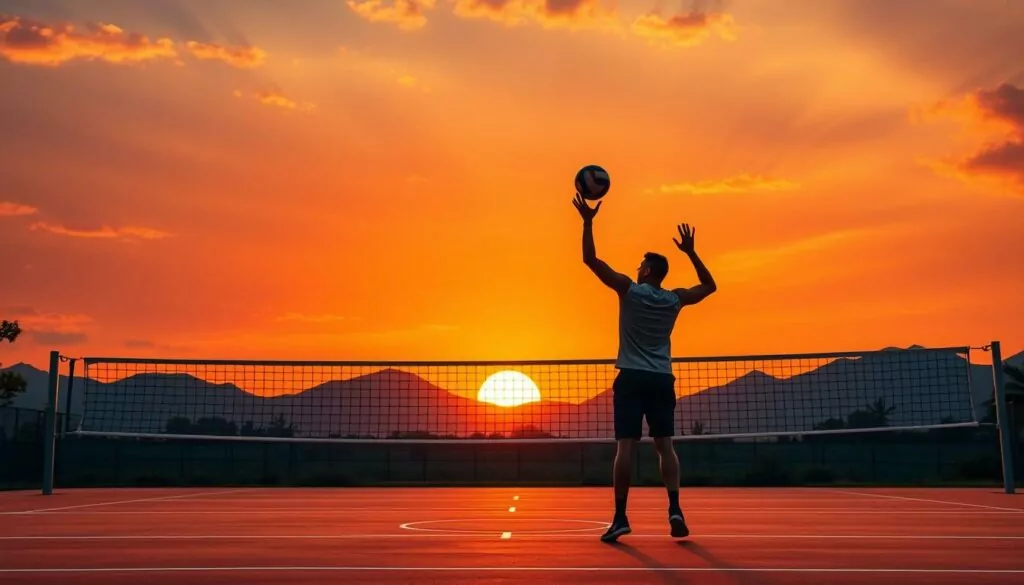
x=407 y=15
x=684 y=30
x=569 y=14
x=105 y=232
x=11 y=209
x=50 y=328
x=58 y=337
x=753 y=264
x=276 y=98
x=312 y=318
x=248 y=57
x=35 y=43
x=745 y=183
x=32 y=42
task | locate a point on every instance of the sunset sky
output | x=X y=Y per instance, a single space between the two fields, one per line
x=392 y=179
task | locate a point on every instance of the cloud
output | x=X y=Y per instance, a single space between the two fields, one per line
x=10 y=209
x=999 y=111
x=241 y=57
x=312 y=318
x=407 y=15
x=571 y=14
x=50 y=328
x=744 y=183
x=59 y=337
x=807 y=259
x=34 y=43
x=31 y=42
x=139 y=343
x=105 y=232
x=276 y=98
x=684 y=30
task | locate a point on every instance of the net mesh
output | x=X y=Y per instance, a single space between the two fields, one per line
x=538 y=400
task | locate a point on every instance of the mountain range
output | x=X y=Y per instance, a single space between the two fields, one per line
x=919 y=387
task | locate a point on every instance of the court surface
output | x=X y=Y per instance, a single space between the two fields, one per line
x=509 y=535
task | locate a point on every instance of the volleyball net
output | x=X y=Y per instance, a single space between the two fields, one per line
x=532 y=401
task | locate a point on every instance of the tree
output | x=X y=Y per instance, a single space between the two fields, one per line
x=11 y=383
x=882 y=411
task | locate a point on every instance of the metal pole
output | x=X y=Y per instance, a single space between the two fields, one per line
x=67 y=399
x=49 y=434
x=1003 y=420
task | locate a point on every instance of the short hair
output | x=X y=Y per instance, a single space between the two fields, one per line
x=658 y=265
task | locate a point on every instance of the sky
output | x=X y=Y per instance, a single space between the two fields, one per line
x=392 y=179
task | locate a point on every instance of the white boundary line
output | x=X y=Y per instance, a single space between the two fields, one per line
x=490 y=534
x=114 y=503
x=910 y=499
x=521 y=569
x=412 y=526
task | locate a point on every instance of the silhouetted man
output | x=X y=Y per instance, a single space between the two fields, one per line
x=645 y=384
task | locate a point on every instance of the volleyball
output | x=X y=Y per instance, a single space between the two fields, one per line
x=592 y=182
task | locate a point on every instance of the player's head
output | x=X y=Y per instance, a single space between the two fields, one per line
x=653 y=269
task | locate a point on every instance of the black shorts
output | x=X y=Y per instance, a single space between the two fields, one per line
x=639 y=394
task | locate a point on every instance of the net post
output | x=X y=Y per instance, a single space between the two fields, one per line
x=1003 y=419
x=66 y=421
x=50 y=423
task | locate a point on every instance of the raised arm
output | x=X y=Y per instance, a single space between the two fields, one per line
x=613 y=280
x=693 y=294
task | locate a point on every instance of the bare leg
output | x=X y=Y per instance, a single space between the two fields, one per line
x=669 y=463
x=670 y=475
x=621 y=478
x=622 y=472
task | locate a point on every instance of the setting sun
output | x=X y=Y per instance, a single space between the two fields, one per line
x=509 y=388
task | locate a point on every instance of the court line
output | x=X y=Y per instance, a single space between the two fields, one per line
x=486 y=534
x=177 y=497
x=521 y=569
x=908 y=498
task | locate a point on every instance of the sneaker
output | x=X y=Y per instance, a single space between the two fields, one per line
x=618 y=528
x=678 y=524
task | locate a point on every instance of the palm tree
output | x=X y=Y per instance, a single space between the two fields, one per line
x=881 y=411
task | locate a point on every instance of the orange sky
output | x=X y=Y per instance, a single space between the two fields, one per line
x=322 y=179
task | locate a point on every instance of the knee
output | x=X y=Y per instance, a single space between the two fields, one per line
x=624 y=449
x=665 y=447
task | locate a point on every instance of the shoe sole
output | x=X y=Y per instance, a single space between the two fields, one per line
x=613 y=536
x=679 y=529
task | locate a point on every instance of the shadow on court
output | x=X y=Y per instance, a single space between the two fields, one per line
x=713 y=561
x=650 y=563
x=670 y=578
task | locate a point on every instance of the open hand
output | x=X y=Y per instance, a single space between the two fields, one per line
x=586 y=212
x=686 y=235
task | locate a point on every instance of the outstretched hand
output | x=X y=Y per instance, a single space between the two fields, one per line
x=586 y=212
x=686 y=235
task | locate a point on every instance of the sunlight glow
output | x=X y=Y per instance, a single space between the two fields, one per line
x=509 y=388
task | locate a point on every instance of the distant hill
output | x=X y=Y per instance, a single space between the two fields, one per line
x=36 y=393
x=918 y=386
x=1016 y=360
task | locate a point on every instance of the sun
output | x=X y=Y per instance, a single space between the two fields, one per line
x=508 y=388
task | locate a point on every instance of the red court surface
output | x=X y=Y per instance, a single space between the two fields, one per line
x=509 y=535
